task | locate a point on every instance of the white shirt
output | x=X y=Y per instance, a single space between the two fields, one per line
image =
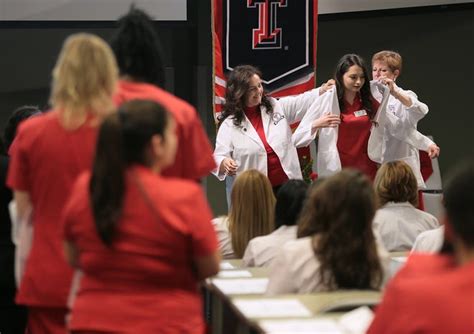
x=221 y=226
x=243 y=144
x=261 y=251
x=295 y=268
x=429 y=241
x=398 y=224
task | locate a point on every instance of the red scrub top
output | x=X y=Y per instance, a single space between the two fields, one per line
x=45 y=162
x=194 y=159
x=353 y=137
x=145 y=282
x=275 y=172
x=430 y=294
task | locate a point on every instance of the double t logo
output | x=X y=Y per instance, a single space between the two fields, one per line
x=268 y=35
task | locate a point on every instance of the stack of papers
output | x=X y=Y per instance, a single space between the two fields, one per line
x=241 y=286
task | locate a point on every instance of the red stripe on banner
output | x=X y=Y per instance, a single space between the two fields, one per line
x=296 y=89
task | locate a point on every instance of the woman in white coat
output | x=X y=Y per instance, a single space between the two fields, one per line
x=404 y=104
x=255 y=131
x=339 y=249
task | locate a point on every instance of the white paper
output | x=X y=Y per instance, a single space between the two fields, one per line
x=226 y=266
x=241 y=286
x=300 y=326
x=357 y=321
x=271 y=308
x=234 y=274
x=401 y=259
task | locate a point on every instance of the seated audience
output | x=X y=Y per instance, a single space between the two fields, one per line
x=429 y=241
x=340 y=251
x=433 y=293
x=251 y=214
x=398 y=221
x=289 y=200
x=142 y=241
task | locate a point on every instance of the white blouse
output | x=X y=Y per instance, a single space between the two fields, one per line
x=429 y=241
x=261 y=251
x=398 y=224
x=295 y=268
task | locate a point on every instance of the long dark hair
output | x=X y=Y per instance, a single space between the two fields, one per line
x=340 y=211
x=123 y=140
x=342 y=67
x=237 y=87
x=138 y=49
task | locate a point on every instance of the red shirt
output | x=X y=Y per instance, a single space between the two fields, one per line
x=430 y=294
x=276 y=174
x=353 y=137
x=45 y=162
x=194 y=158
x=145 y=282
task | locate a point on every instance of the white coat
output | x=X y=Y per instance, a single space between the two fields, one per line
x=402 y=140
x=242 y=143
x=328 y=161
x=296 y=268
x=398 y=224
x=429 y=241
x=261 y=251
x=393 y=138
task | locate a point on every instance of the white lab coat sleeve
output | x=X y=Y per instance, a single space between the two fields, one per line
x=304 y=133
x=224 y=146
x=403 y=131
x=295 y=107
x=414 y=113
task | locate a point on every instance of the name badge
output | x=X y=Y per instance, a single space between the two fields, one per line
x=360 y=113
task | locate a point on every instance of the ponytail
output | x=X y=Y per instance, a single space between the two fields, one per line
x=123 y=140
x=107 y=181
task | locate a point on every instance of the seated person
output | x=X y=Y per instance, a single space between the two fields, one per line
x=433 y=293
x=429 y=241
x=251 y=214
x=339 y=250
x=289 y=201
x=398 y=221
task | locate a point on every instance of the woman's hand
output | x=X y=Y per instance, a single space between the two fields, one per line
x=433 y=151
x=326 y=121
x=228 y=166
x=326 y=86
x=396 y=92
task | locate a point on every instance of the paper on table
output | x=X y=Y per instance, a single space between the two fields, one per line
x=226 y=266
x=241 y=286
x=401 y=259
x=270 y=308
x=234 y=274
x=300 y=326
x=358 y=320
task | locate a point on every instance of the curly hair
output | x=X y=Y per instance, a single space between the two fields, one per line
x=340 y=212
x=237 y=87
x=138 y=49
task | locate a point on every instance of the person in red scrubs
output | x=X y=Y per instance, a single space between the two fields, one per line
x=434 y=293
x=138 y=52
x=358 y=109
x=142 y=241
x=48 y=153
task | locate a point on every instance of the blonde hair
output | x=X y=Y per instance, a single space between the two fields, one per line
x=395 y=182
x=391 y=58
x=84 y=79
x=252 y=210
